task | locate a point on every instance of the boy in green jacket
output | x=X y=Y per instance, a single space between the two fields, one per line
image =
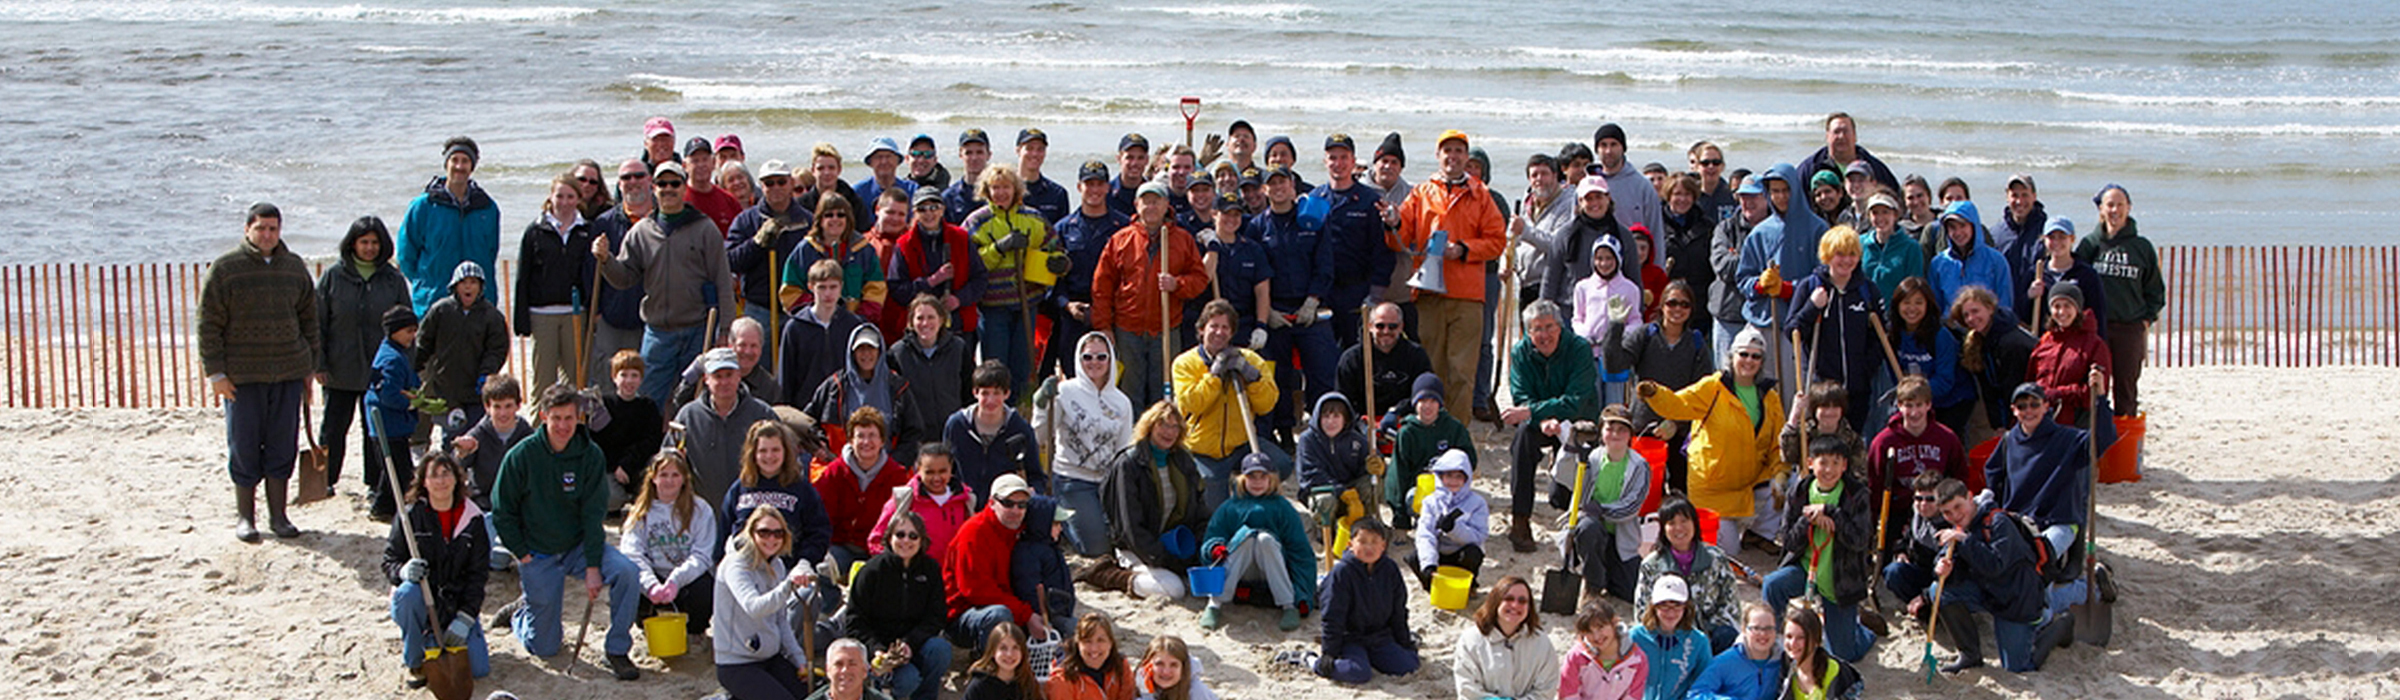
x=547 y=506
x=1424 y=435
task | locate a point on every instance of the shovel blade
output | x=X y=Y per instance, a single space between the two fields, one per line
x=1561 y=591
x=449 y=677
x=2094 y=622
x=310 y=478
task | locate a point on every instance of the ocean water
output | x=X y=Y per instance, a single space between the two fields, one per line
x=140 y=129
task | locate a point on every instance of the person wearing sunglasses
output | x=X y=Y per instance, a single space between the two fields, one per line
x=1504 y=653
x=1909 y=576
x=836 y=237
x=1398 y=361
x=975 y=579
x=757 y=655
x=683 y=280
x=620 y=326
x=937 y=257
x=1736 y=415
x=1086 y=420
x=925 y=165
x=776 y=224
x=896 y=607
x=1670 y=351
x=1713 y=197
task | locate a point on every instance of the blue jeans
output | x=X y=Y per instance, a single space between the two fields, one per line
x=666 y=353
x=909 y=681
x=973 y=625
x=408 y=610
x=1352 y=662
x=1218 y=472
x=1906 y=581
x=2014 y=638
x=1844 y=638
x=537 y=624
x=1088 y=532
x=1006 y=338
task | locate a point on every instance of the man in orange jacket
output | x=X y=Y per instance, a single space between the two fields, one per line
x=1125 y=291
x=1450 y=323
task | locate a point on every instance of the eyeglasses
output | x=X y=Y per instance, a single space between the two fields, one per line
x=1014 y=503
x=1711 y=162
x=904 y=535
x=1926 y=499
x=668 y=184
x=929 y=206
x=834 y=215
x=1095 y=357
x=1679 y=304
x=920 y=154
x=588 y=180
x=1750 y=355
x=777 y=533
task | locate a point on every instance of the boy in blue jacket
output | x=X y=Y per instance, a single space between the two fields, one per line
x=1036 y=567
x=391 y=390
x=1453 y=522
x=1365 y=628
x=1994 y=560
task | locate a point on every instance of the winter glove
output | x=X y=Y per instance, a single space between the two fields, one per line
x=1049 y=391
x=1448 y=520
x=1771 y=284
x=768 y=231
x=1249 y=373
x=1013 y=242
x=1217 y=553
x=1258 y=337
x=1619 y=309
x=1277 y=321
x=1227 y=365
x=1308 y=312
x=1375 y=465
x=460 y=626
x=414 y=571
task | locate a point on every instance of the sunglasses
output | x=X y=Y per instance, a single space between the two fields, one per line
x=621 y=177
x=929 y=207
x=668 y=184
x=775 y=181
x=765 y=532
x=1926 y=499
x=834 y=215
x=1751 y=355
x=588 y=180
x=1711 y=162
x=920 y=154
x=1014 y=503
x=904 y=535
x=1386 y=326
x=1095 y=357
x=1678 y=304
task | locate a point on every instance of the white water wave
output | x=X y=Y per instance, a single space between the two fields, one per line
x=150 y=12
x=704 y=90
x=1612 y=56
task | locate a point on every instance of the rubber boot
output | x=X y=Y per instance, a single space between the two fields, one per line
x=278 y=491
x=1966 y=635
x=245 y=513
x=1520 y=534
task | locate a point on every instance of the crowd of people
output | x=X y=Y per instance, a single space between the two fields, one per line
x=920 y=412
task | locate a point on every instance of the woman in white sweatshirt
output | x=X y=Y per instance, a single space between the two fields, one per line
x=672 y=535
x=757 y=658
x=1085 y=420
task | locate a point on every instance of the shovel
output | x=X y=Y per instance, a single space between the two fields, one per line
x=446 y=670
x=1562 y=586
x=311 y=476
x=1934 y=621
x=2094 y=621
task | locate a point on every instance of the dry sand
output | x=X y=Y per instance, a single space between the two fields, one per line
x=2252 y=558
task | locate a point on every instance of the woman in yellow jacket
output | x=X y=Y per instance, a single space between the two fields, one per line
x=1211 y=415
x=1733 y=451
x=1010 y=237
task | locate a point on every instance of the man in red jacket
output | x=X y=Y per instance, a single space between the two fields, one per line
x=856 y=485
x=976 y=579
x=1125 y=291
x=1450 y=322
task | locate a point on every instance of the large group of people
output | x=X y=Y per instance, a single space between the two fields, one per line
x=887 y=412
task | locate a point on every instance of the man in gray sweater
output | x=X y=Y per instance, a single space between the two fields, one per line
x=258 y=341
x=678 y=256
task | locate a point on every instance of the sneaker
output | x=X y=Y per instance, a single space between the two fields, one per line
x=622 y=665
x=1961 y=665
x=1211 y=618
x=506 y=617
x=1290 y=621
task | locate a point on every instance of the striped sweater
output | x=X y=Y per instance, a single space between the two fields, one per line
x=258 y=316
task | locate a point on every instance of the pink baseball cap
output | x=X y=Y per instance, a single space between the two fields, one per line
x=1590 y=184
x=656 y=126
x=729 y=141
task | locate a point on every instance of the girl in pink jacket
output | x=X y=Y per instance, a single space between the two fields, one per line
x=1602 y=665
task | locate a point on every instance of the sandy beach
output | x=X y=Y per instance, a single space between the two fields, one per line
x=2250 y=557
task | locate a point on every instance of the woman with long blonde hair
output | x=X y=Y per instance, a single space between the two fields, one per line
x=757 y=657
x=672 y=534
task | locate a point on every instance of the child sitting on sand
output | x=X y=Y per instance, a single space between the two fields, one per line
x=1454 y=521
x=1427 y=433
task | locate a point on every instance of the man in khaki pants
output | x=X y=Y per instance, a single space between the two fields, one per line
x=1450 y=323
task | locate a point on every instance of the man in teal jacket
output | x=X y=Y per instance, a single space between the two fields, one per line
x=547 y=507
x=1553 y=379
x=452 y=222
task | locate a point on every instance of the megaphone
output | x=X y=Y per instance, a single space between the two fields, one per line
x=1428 y=277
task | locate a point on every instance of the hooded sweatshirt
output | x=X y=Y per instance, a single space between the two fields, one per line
x=1899 y=455
x=1580 y=676
x=1733 y=675
x=853 y=500
x=1365 y=605
x=938 y=374
x=458 y=345
x=1846 y=328
x=749 y=624
x=1571 y=255
x=668 y=550
x=1493 y=664
x=1089 y=420
x=2020 y=243
x=1331 y=461
x=1787 y=239
x=713 y=444
x=1888 y=257
x=976 y=573
x=1647 y=350
x=1591 y=306
x=1149 y=493
x=2129 y=272
x=802 y=510
x=816 y=347
x=550 y=501
x=851 y=389
x=350 y=310
x=679 y=259
x=1677 y=659
x=439 y=232
x=1472 y=528
x=2041 y=474
x=942 y=516
x=1955 y=269
x=1037 y=567
x=2063 y=362
x=2004 y=357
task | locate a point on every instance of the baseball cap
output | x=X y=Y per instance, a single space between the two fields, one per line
x=926 y=139
x=1009 y=485
x=2029 y=390
x=1132 y=141
x=1882 y=200
x=1670 y=589
x=1590 y=185
x=719 y=358
x=2059 y=224
x=926 y=194
x=729 y=141
x=1859 y=167
x=1253 y=176
x=1025 y=136
x=1449 y=134
x=973 y=136
x=1278 y=139
x=1257 y=462
x=669 y=167
x=1092 y=170
x=1750 y=185
x=1653 y=167
x=698 y=145
x=656 y=126
x=1240 y=125
x=1276 y=171
x=1340 y=141
x=1229 y=200
x=1152 y=187
x=2025 y=179
x=773 y=168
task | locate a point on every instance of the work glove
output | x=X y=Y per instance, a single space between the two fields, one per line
x=1277 y=321
x=1258 y=337
x=1448 y=520
x=1771 y=284
x=1375 y=465
x=1013 y=242
x=768 y=231
x=1308 y=312
x=460 y=626
x=1048 y=391
x=1619 y=309
x=414 y=571
x=1647 y=388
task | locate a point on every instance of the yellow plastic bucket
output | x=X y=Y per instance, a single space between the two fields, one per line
x=1416 y=499
x=666 y=633
x=1451 y=586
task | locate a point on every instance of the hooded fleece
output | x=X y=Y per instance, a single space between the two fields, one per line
x=1981 y=266
x=1088 y=422
x=350 y=310
x=1787 y=238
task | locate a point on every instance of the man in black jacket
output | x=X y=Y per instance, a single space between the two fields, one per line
x=1398 y=361
x=1365 y=628
x=1994 y=560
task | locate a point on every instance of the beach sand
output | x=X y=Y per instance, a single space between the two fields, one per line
x=2250 y=557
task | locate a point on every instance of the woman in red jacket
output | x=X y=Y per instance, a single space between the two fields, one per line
x=2068 y=353
x=856 y=485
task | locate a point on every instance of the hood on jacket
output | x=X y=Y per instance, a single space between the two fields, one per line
x=1316 y=415
x=383 y=251
x=1113 y=370
x=439 y=192
x=1795 y=218
x=469 y=270
x=1964 y=210
x=1038 y=516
